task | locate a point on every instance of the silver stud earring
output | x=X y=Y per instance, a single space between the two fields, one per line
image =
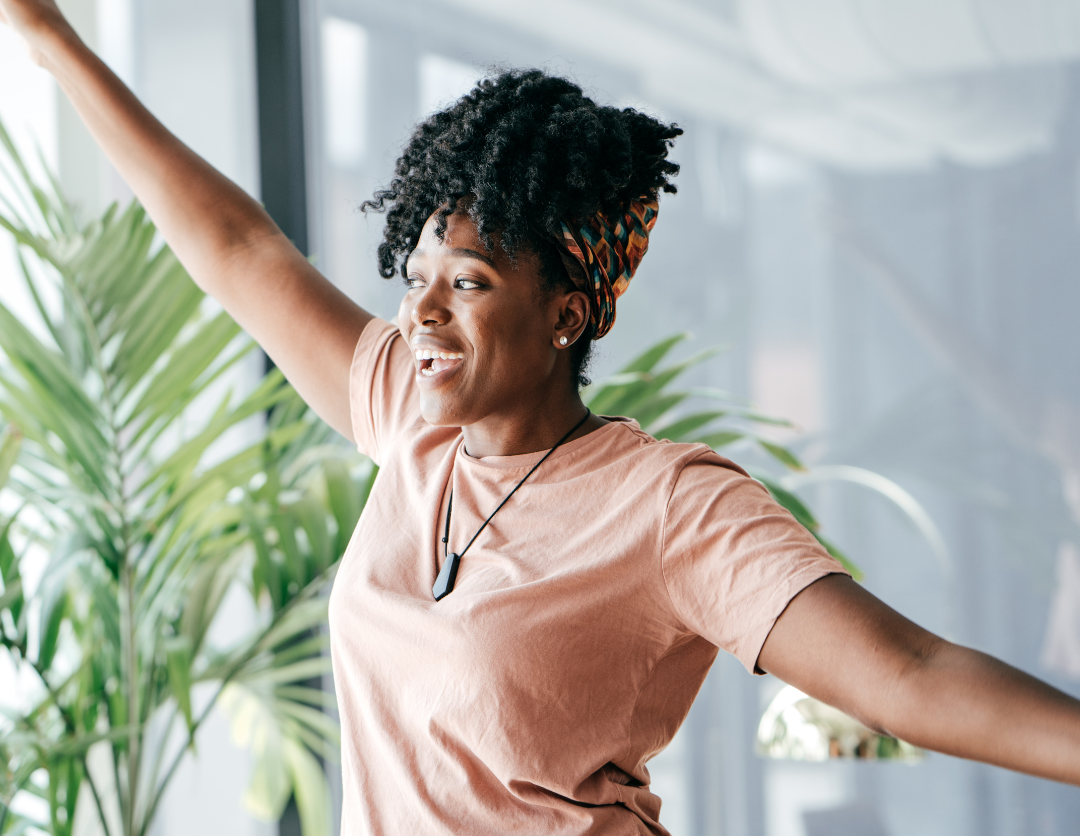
x=563 y=340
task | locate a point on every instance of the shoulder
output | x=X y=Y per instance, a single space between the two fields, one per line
x=673 y=473
x=688 y=463
x=378 y=337
x=693 y=480
x=383 y=397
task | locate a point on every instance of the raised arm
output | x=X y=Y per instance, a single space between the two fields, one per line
x=840 y=644
x=229 y=245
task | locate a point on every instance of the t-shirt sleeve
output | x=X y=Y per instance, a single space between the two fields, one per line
x=383 y=398
x=734 y=558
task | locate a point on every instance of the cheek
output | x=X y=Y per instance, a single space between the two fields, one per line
x=404 y=315
x=515 y=343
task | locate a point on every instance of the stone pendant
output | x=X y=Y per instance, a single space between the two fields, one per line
x=444 y=584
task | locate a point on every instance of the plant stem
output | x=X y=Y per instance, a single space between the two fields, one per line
x=311 y=589
x=128 y=626
x=130 y=657
x=161 y=752
x=97 y=796
x=69 y=723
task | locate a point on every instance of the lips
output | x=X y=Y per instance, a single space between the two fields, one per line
x=430 y=368
x=434 y=363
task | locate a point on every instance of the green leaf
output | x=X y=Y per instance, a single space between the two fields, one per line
x=32 y=286
x=657 y=407
x=790 y=501
x=806 y=518
x=188 y=362
x=309 y=696
x=311 y=789
x=211 y=582
x=266 y=571
x=294 y=672
x=10 y=443
x=37 y=364
x=843 y=559
x=156 y=316
x=299 y=619
x=9 y=566
x=27 y=183
x=635 y=396
x=679 y=430
x=306 y=648
x=12 y=595
x=254 y=727
x=720 y=439
x=324 y=726
x=345 y=500
x=647 y=360
x=781 y=454
x=53 y=611
x=760 y=418
x=178 y=653
x=313 y=517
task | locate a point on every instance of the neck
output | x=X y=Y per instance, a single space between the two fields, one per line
x=529 y=431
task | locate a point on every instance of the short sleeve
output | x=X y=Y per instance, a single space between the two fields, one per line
x=383 y=398
x=734 y=558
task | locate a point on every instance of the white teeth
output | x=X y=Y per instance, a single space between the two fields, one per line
x=428 y=354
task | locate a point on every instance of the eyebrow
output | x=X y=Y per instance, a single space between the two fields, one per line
x=461 y=252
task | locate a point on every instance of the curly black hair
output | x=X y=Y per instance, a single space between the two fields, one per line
x=521 y=153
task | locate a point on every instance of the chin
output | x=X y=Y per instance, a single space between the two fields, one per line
x=438 y=413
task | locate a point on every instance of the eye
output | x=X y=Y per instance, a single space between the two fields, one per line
x=464 y=283
x=413 y=281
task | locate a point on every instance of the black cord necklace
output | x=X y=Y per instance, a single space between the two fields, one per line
x=444 y=584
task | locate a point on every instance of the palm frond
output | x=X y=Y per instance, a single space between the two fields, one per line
x=642 y=390
x=147 y=525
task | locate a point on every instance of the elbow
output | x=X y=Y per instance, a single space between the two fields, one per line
x=898 y=709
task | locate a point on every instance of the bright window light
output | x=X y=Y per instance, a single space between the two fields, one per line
x=116 y=36
x=443 y=81
x=344 y=66
x=28 y=110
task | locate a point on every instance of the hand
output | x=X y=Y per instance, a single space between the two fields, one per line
x=33 y=20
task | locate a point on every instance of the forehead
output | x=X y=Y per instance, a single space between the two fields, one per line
x=460 y=232
x=461 y=239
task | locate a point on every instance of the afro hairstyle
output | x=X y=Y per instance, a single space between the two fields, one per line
x=521 y=153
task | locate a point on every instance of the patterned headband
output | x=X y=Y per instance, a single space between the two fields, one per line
x=610 y=249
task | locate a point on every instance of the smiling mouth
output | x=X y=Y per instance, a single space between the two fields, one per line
x=431 y=363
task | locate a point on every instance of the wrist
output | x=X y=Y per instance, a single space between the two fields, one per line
x=48 y=35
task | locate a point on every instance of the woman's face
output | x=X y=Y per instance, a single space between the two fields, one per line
x=484 y=337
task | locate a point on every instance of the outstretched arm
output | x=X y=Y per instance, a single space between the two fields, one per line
x=229 y=245
x=840 y=644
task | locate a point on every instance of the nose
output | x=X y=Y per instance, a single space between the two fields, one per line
x=429 y=306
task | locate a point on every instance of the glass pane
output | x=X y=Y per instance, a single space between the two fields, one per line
x=878 y=216
x=344 y=66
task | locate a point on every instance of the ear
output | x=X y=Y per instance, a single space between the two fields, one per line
x=573 y=313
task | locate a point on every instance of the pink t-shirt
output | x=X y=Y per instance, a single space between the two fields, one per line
x=582 y=624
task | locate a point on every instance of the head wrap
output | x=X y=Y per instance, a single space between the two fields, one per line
x=609 y=249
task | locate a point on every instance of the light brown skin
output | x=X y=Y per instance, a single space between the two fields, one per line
x=513 y=393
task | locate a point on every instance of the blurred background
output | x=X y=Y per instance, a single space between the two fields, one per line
x=878 y=215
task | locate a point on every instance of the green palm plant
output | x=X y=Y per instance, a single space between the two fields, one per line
x=124 y=495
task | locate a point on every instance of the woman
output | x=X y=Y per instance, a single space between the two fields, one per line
x=534 y=594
